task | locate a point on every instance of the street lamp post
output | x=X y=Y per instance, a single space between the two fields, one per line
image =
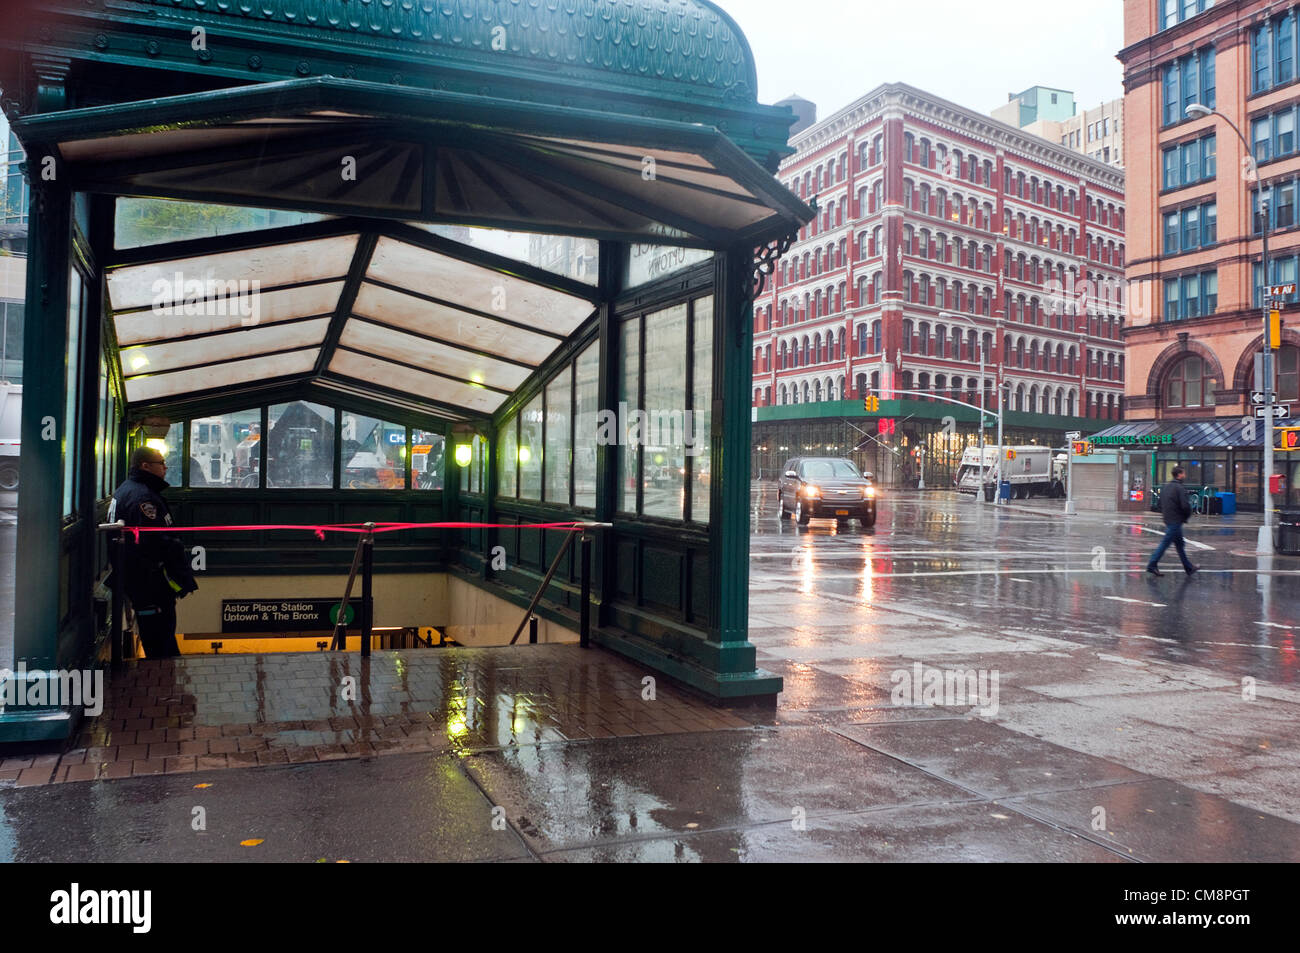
x=1265 y=540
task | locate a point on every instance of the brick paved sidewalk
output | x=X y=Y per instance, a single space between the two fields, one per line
x=234 y=711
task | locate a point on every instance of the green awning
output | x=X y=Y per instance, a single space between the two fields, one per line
x=349 y=147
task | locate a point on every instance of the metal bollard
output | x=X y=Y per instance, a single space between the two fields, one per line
x=584 y=609
x=367 y=572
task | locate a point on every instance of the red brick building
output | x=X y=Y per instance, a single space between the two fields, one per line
x=1194 y=234
x=928 y=207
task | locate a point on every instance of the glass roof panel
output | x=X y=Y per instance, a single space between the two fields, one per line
x=138 y=221
x=481 y=289
x=364 y=368
x=160 y=284
x=383 y=341
x=166 y=357
x=268 y=307
x=453 y=325
x=576 y=258
x=229 y=374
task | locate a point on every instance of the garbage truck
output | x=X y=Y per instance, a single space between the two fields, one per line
x=11 y=417
x=1031 y=470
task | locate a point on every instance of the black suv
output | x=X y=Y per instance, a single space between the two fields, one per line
x=829 y=487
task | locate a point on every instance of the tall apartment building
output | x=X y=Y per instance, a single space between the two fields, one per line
x=939 y=230
x=1051 y=113
x=1194 y=232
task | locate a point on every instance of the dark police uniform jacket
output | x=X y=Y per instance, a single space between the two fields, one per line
x=1175 y=506
x=157 y=569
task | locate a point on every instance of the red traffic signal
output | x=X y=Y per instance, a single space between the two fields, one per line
x=885 y=426
x=1289 y=438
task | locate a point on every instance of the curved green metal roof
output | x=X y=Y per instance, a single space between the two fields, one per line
x=687 y=41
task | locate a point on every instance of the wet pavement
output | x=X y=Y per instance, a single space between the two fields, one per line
x=961 y=683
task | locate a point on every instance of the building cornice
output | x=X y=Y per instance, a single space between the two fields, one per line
x=901 y=99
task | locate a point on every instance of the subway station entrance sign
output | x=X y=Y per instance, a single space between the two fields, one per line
x=284 y=615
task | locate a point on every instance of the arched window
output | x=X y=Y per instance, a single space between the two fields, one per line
x=817 y=391
x=1188 y=384
x=923 y=385
x=907 y=336
x=861 y=384
x=1020 y=397
x=862 y=339
x=817 y=347
x=875 y=338
x=940 y=339
x=784 y=395
x=923 y=334
x=1056 y=403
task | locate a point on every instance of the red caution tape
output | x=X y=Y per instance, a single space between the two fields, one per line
x=321 y=530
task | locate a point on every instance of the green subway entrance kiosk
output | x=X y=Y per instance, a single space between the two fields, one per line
x=350 y=262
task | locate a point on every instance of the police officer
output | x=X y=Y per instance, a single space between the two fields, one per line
x=157 y=568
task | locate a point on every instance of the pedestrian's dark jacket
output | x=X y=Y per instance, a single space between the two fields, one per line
x=157 y=569
x=1175 y=505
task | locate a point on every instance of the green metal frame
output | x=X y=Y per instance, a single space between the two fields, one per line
x=497 y=107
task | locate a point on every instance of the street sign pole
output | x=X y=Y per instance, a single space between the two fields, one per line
x=1265 y=542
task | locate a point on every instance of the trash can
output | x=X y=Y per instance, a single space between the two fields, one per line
x=988 y=492
x=1229 y=501
x=1286 y=537
x=1004 y=490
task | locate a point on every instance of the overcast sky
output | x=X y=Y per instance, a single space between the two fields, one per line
x=971 y=52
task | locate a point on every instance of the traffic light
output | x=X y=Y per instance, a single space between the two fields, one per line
x=1080 y=448
x=871 y=404
x=885 y=426
x=1289 y=438
x=1274 y=329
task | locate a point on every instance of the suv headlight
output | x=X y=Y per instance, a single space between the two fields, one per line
x=811 y=490
x=868 y=492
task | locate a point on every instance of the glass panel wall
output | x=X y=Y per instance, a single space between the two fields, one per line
x=300 y=446
x=530 y=450
x=586 y=410
x=559 y=441
x=629 y=439
x=224 y=449
x=427 y=459
x=508 y=456
x=73 y=384
x=478 y=464
x=373 y=453
x=702 y=409
x=663 y=435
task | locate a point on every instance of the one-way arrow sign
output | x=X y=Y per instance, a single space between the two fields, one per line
x=1257 y=397
x=1280 y=411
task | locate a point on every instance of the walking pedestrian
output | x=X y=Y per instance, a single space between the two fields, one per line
x=1176 y=509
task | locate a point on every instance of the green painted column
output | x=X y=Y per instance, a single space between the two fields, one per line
x=44 y=431
x=733 y=334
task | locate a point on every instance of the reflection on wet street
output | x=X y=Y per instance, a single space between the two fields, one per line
x=960 y=683
x=939 y=567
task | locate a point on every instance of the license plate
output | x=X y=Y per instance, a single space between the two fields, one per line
x=841 y=512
